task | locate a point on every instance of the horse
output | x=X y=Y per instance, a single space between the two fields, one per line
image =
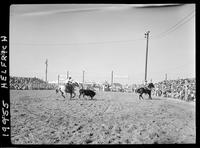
x=146 y=90
x=67 y=88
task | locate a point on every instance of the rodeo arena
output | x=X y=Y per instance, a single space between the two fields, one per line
x=182 y=89
x=64 y=112
x=88 y=111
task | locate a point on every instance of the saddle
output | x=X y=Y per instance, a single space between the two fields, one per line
x=69 y=85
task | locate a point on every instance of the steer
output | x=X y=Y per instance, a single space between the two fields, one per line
x=86 y=92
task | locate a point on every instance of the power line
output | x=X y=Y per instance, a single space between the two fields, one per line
x=181 y=22
x=176 y=26
x=163 y=34
x=71 y=44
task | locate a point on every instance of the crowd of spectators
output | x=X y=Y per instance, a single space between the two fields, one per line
x=184 y=89
x=26 y=83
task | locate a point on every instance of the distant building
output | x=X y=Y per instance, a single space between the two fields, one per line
x=117 y=87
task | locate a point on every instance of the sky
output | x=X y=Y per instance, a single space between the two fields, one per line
x=101 y=38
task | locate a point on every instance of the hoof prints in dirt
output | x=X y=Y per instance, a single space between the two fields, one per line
x=109 y=121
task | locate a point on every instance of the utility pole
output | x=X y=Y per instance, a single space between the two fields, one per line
x=67 y=74
x=46 y=62
x=58 y=79
x=111 y=77
x=146 y=36
x=83 y=76
x=165 y=77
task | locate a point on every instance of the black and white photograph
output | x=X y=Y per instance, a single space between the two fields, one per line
x=94 y=74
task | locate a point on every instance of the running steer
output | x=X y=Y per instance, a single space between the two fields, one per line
x=86 y=92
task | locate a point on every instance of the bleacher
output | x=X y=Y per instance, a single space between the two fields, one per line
x=28 y=83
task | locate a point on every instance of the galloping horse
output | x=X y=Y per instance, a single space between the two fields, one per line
x=146 y=90
x=67 y=88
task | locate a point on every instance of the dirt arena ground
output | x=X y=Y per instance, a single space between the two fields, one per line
x=44 y=117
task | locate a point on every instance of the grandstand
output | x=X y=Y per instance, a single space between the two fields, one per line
x=29 y=83
x=184 y=89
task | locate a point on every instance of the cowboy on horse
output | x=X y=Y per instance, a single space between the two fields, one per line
x=69 y=87
x=69 y=80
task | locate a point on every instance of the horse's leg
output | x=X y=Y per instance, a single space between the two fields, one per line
x=141 y=96
x=59 y=90
x=62 y=94
x=74 y=94
x=70 y=96
x=150 y=96
x=79 y=95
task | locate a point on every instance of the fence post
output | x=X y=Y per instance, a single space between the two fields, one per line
x=58 y=79
x=83 y=77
